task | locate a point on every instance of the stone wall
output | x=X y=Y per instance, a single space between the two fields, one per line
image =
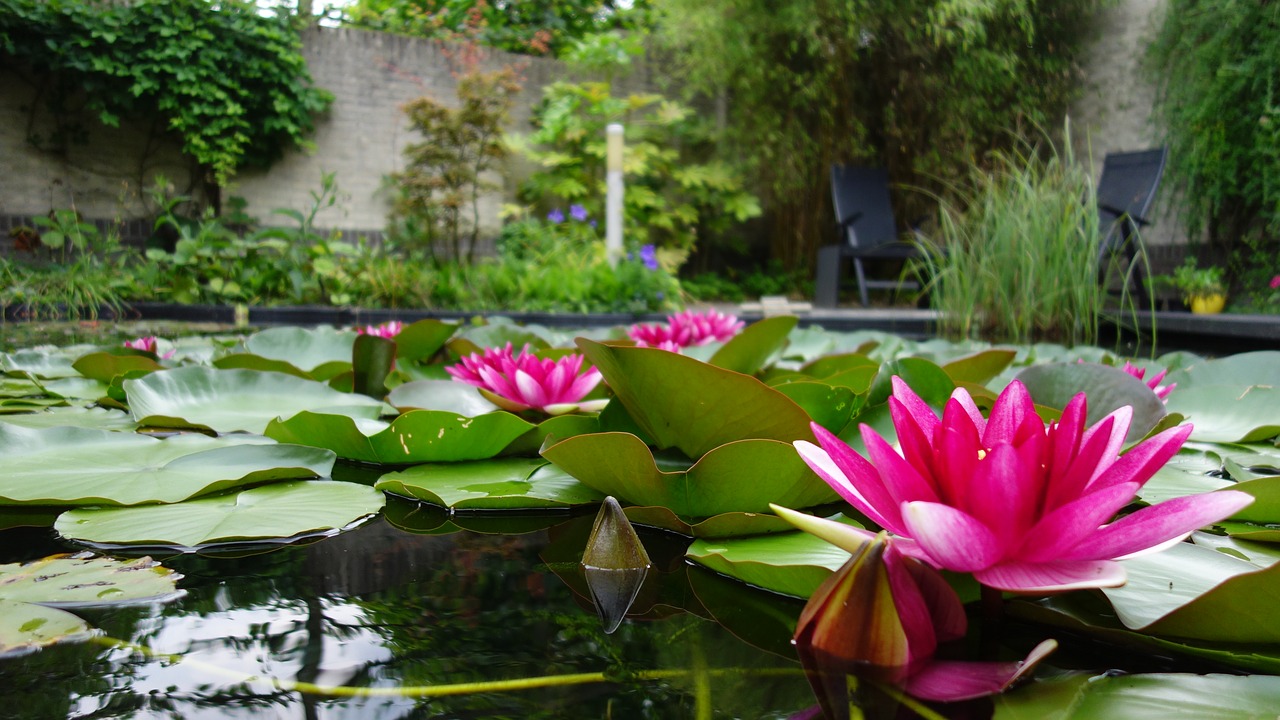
x=362 y=138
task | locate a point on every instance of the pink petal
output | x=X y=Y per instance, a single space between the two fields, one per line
x=1054 y=576
x=916 y=445
x=946 y=613
x=1066 y=435
x=1008 y=414
x=869 y=504
x=531 y=393
x=953 y=539
x=1072 y=481
x=1157 y=524
x=1144 y=459
x=901 y=480
x=949 y=681
x=1066 y=526
x=919 y=410
x=964 y=401
x=1004 y=494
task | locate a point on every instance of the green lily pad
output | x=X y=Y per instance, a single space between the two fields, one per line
x=792 y=563
x=19 y=388
x=417 y=436
x=929 y=381
x=280 y=510
x=75 y=388
x=731 y=524
x=509 y=483
x=1107 y=388
x=761 y=619
x=829 y=406
x=1142 y=697
x=495 y=335
x=1196 y=592
x=40 y=363
x=422 y=339
x=26 y=405
x=1229 y=412
x=105 y=365
x=81 y=466
x=235 y=400
x=1244 y=369
x=684 y=403
x=448 y=395
x=553 y=430
x=742 y=476
x=25 y=628
x=316 y=353
x=979 y=368
x=87 y=580
x=749 y=351
x=96 y=418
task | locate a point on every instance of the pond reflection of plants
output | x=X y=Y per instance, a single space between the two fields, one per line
x=696 y=442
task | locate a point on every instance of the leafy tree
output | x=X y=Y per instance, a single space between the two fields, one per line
x=230 y=83
x=444 y=176
x=1219 y=70
x=536 y=27
x=921 y=86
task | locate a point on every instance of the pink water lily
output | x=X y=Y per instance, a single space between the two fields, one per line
x=1024 y=507
x=687 y=329
x=881 y=616
x=527 y=382
x=387 y=330
x=1161 y=391
x=147 y=344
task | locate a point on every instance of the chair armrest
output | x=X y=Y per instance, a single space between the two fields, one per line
x=850 y=219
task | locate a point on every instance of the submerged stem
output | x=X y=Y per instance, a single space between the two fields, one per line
x=489 y=686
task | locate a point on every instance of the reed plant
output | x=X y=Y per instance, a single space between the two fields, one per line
x=1020 y=257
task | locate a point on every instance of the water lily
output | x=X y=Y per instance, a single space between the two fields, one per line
x=527 y=382
x=1023 y=506
x=881 y=617
x=147 y=344
x=387 y=330
x=687 y=329
x=1161 y=391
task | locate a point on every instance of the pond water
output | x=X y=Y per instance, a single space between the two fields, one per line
x=390 y=610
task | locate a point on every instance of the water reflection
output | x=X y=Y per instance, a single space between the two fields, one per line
x=381 y=608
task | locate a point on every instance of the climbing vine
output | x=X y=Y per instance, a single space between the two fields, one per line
x=230 y=83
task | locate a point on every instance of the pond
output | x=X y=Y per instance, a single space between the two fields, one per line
x=455 y=588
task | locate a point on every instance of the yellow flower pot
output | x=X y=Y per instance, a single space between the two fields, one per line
x=1208 y=304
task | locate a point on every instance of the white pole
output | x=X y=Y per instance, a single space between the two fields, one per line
x=613 y=196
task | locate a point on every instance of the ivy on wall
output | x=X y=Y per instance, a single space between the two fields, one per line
x=230 y=83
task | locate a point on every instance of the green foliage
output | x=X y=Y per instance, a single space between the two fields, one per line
x=1021 y=260
x=230 y=82
x=1194 y=281
x=923 y=87
x=734 y=285
x=443 y=178
x=213 y=263
x=675 y=194
x=1216 y=64
x=534 y=27
x=1256 y=268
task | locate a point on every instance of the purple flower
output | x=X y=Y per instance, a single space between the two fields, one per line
x=556 y=216
x=649 y=256
x=577 y=212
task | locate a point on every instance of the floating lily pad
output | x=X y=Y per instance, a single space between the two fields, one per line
x=450 y=395
x=505 y=484
x=82 y=466
x=743 y=476
x=25 y=627
x=731 y=524
x=1142 y=697
x=829 y=406
x=980 y=367
x=418 y=436
x=1244 y=369
x=316 y=353
x=424 y=338
x=40 y=363
x=87 y=580
x=105 y=365
x=1107 y=388
x=1229 y=412
x=792 y=563
x=19 y=388
x=684 y=403
x=280 y=510
x=553 y=430
x=758 y=343
x=1191 y=591
x=75 y=388
x=96 y=418
x=235 y=400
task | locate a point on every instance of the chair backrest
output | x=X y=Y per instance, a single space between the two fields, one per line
x=1127 y=190
x=864 y=212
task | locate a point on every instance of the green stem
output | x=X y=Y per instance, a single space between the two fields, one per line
x=490 y=686
x=913 y=704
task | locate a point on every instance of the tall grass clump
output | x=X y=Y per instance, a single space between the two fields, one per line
x=1021 y=260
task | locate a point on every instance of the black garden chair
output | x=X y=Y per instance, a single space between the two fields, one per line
x=868 y=232
x=1126 y=192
